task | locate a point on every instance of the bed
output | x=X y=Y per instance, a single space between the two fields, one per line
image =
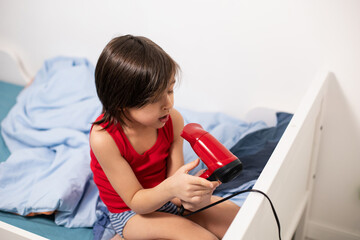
x=293 y=161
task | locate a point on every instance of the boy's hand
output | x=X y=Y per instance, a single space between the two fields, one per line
x=193 y=191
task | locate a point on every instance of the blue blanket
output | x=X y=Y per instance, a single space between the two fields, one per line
x=47 y=134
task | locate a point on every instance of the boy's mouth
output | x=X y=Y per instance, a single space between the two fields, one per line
x=164 y=119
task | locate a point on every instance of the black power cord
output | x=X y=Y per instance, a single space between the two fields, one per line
x=181 y=211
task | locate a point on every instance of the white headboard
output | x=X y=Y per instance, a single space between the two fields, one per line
x=12 y=69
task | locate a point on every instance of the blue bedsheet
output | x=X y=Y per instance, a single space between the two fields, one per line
x=47 y=134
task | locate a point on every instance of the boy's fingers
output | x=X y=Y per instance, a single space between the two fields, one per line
x=203 y=192
x=191 y=165
x=215 y=183
x=203 y=182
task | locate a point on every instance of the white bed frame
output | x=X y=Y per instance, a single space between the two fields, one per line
x=287 y=178
x=12 y=69
x=10 y=232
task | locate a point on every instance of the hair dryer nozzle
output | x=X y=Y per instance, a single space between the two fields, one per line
x=192 y=133
x=222 y=164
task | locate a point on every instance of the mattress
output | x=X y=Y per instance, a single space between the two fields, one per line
x=41 y=225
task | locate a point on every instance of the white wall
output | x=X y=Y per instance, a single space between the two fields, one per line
x=249 y=50
x=235 y=55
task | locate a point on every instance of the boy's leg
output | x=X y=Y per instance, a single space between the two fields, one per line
x=218 y=218
x=159 y=225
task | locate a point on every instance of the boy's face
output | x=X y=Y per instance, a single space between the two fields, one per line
x=154 y=114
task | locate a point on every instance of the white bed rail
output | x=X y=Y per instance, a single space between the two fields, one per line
x=288 y=176
x=8 y=231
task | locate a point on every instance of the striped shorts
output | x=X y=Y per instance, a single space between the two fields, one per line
x=119 y=220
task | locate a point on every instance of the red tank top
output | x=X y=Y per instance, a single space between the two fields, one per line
x=149 y=168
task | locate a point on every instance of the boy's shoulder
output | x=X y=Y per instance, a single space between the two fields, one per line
x=99 y=137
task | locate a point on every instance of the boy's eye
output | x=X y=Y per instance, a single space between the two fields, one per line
x=170 y=91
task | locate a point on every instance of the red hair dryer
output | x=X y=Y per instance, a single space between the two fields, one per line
x=222 y=164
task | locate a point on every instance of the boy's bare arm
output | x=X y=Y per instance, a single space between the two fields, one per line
x=125 y=183
x=176 y=156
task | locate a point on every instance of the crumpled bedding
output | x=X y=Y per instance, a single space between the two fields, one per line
x=47 y=134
